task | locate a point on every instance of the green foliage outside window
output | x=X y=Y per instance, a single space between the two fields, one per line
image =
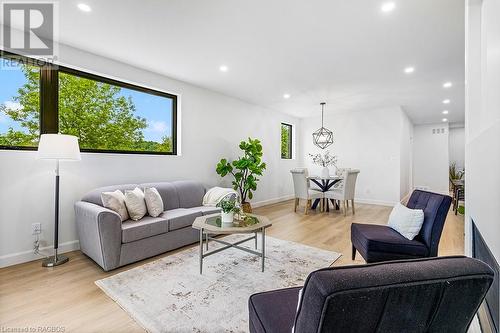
x=28 y=115
x=286 y=141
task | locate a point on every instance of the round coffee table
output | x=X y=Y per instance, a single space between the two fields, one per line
x=211 y=225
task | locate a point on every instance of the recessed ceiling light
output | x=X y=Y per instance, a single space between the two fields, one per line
x=409 y=70
x=444 y=120
x=388 y=7
x=445 y=112
x=84 y=7
x=286 y=96
x=223 y=68
x=446 y=101
x=447 y=84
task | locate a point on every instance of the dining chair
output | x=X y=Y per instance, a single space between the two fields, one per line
x=302 y=189
x=347 y=191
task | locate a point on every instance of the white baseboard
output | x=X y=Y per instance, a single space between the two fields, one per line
x=375 y=202
x=291 y=196
x=25 y=256
x=272 y=201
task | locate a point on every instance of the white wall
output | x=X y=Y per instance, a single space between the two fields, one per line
x=457 y=146
x=406 y=157
x=482 y=122
x=212 y=125
x=430 y=157
x=366 y=140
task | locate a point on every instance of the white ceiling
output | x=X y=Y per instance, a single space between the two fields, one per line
x=344 y=52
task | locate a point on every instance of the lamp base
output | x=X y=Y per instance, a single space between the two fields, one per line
x=55 y=260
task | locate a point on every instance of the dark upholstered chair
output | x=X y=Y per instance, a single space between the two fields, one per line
x=378 y=243
x=420 y=295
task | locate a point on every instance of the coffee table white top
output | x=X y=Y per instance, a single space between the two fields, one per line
x=211 y=223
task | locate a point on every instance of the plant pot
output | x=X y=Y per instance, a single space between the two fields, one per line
x=227 y=218
x=246 y=207
x=325 y=173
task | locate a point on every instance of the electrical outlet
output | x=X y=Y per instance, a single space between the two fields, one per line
x=36 y=228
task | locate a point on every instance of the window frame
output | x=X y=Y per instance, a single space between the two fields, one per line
x=290 y=141
x=49 y=103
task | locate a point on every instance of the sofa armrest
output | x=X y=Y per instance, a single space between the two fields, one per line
x=100 y=233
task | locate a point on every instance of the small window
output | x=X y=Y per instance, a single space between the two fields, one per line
x=19 y=104
x=286 y=141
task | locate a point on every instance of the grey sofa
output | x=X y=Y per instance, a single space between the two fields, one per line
x=112 y=243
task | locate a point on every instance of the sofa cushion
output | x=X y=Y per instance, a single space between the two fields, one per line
x=190 y=193
x=273 y=311
x=94 y=196
x=180 y=217
x=168 y=194
x=381 y=238
x=146 y=227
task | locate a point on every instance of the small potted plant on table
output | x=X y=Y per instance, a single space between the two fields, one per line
x=229 y=207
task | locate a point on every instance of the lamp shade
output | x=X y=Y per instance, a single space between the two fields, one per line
x=58 y=147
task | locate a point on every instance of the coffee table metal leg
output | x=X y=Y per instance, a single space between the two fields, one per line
x=256 y=240
x=263 y=247
x=201 y=250
x=206 y=239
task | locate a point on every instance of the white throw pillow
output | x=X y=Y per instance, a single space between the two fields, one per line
x=154 y=203
x=116 y=202
x=136 y=206
x=406 y=221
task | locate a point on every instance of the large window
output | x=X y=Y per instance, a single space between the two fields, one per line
x=286 y=141
x=19 y=104
x=106 y=115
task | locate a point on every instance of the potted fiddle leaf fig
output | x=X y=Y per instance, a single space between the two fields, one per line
x=245 y=171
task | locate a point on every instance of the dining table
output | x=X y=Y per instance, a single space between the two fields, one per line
x=324 y=184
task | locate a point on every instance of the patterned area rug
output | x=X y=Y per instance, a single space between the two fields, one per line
x=169 y=295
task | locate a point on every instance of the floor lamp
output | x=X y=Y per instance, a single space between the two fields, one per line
x=57 y=147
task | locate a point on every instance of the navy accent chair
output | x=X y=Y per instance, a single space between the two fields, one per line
x=378 y=243
x=420 y=295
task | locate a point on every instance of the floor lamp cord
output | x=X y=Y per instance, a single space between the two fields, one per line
x=36 y=248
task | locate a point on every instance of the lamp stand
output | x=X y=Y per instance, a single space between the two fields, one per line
x=56 y=259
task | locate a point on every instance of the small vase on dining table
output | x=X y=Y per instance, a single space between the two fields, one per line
x=325 y=173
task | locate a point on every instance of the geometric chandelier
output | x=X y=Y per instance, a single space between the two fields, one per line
x=323 y=137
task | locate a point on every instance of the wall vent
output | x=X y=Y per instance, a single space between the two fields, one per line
x=440 y=130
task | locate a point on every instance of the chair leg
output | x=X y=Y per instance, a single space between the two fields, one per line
x=347 y=203
x=321 y=205
x=345 y=207
x=352 y=202
x=308 y=204
x=296 y=204
x=353 y=252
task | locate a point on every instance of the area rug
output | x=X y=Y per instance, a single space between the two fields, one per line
x=170 y=295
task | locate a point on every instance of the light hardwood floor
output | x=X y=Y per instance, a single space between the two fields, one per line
x=66 y=296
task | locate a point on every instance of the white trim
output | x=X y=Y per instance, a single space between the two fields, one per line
x=375 y=202
x=272 y=201
x=405 y=198
x=25 y=256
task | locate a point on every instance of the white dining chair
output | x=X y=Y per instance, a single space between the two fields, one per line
x=302 y=189
x=347 y=191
